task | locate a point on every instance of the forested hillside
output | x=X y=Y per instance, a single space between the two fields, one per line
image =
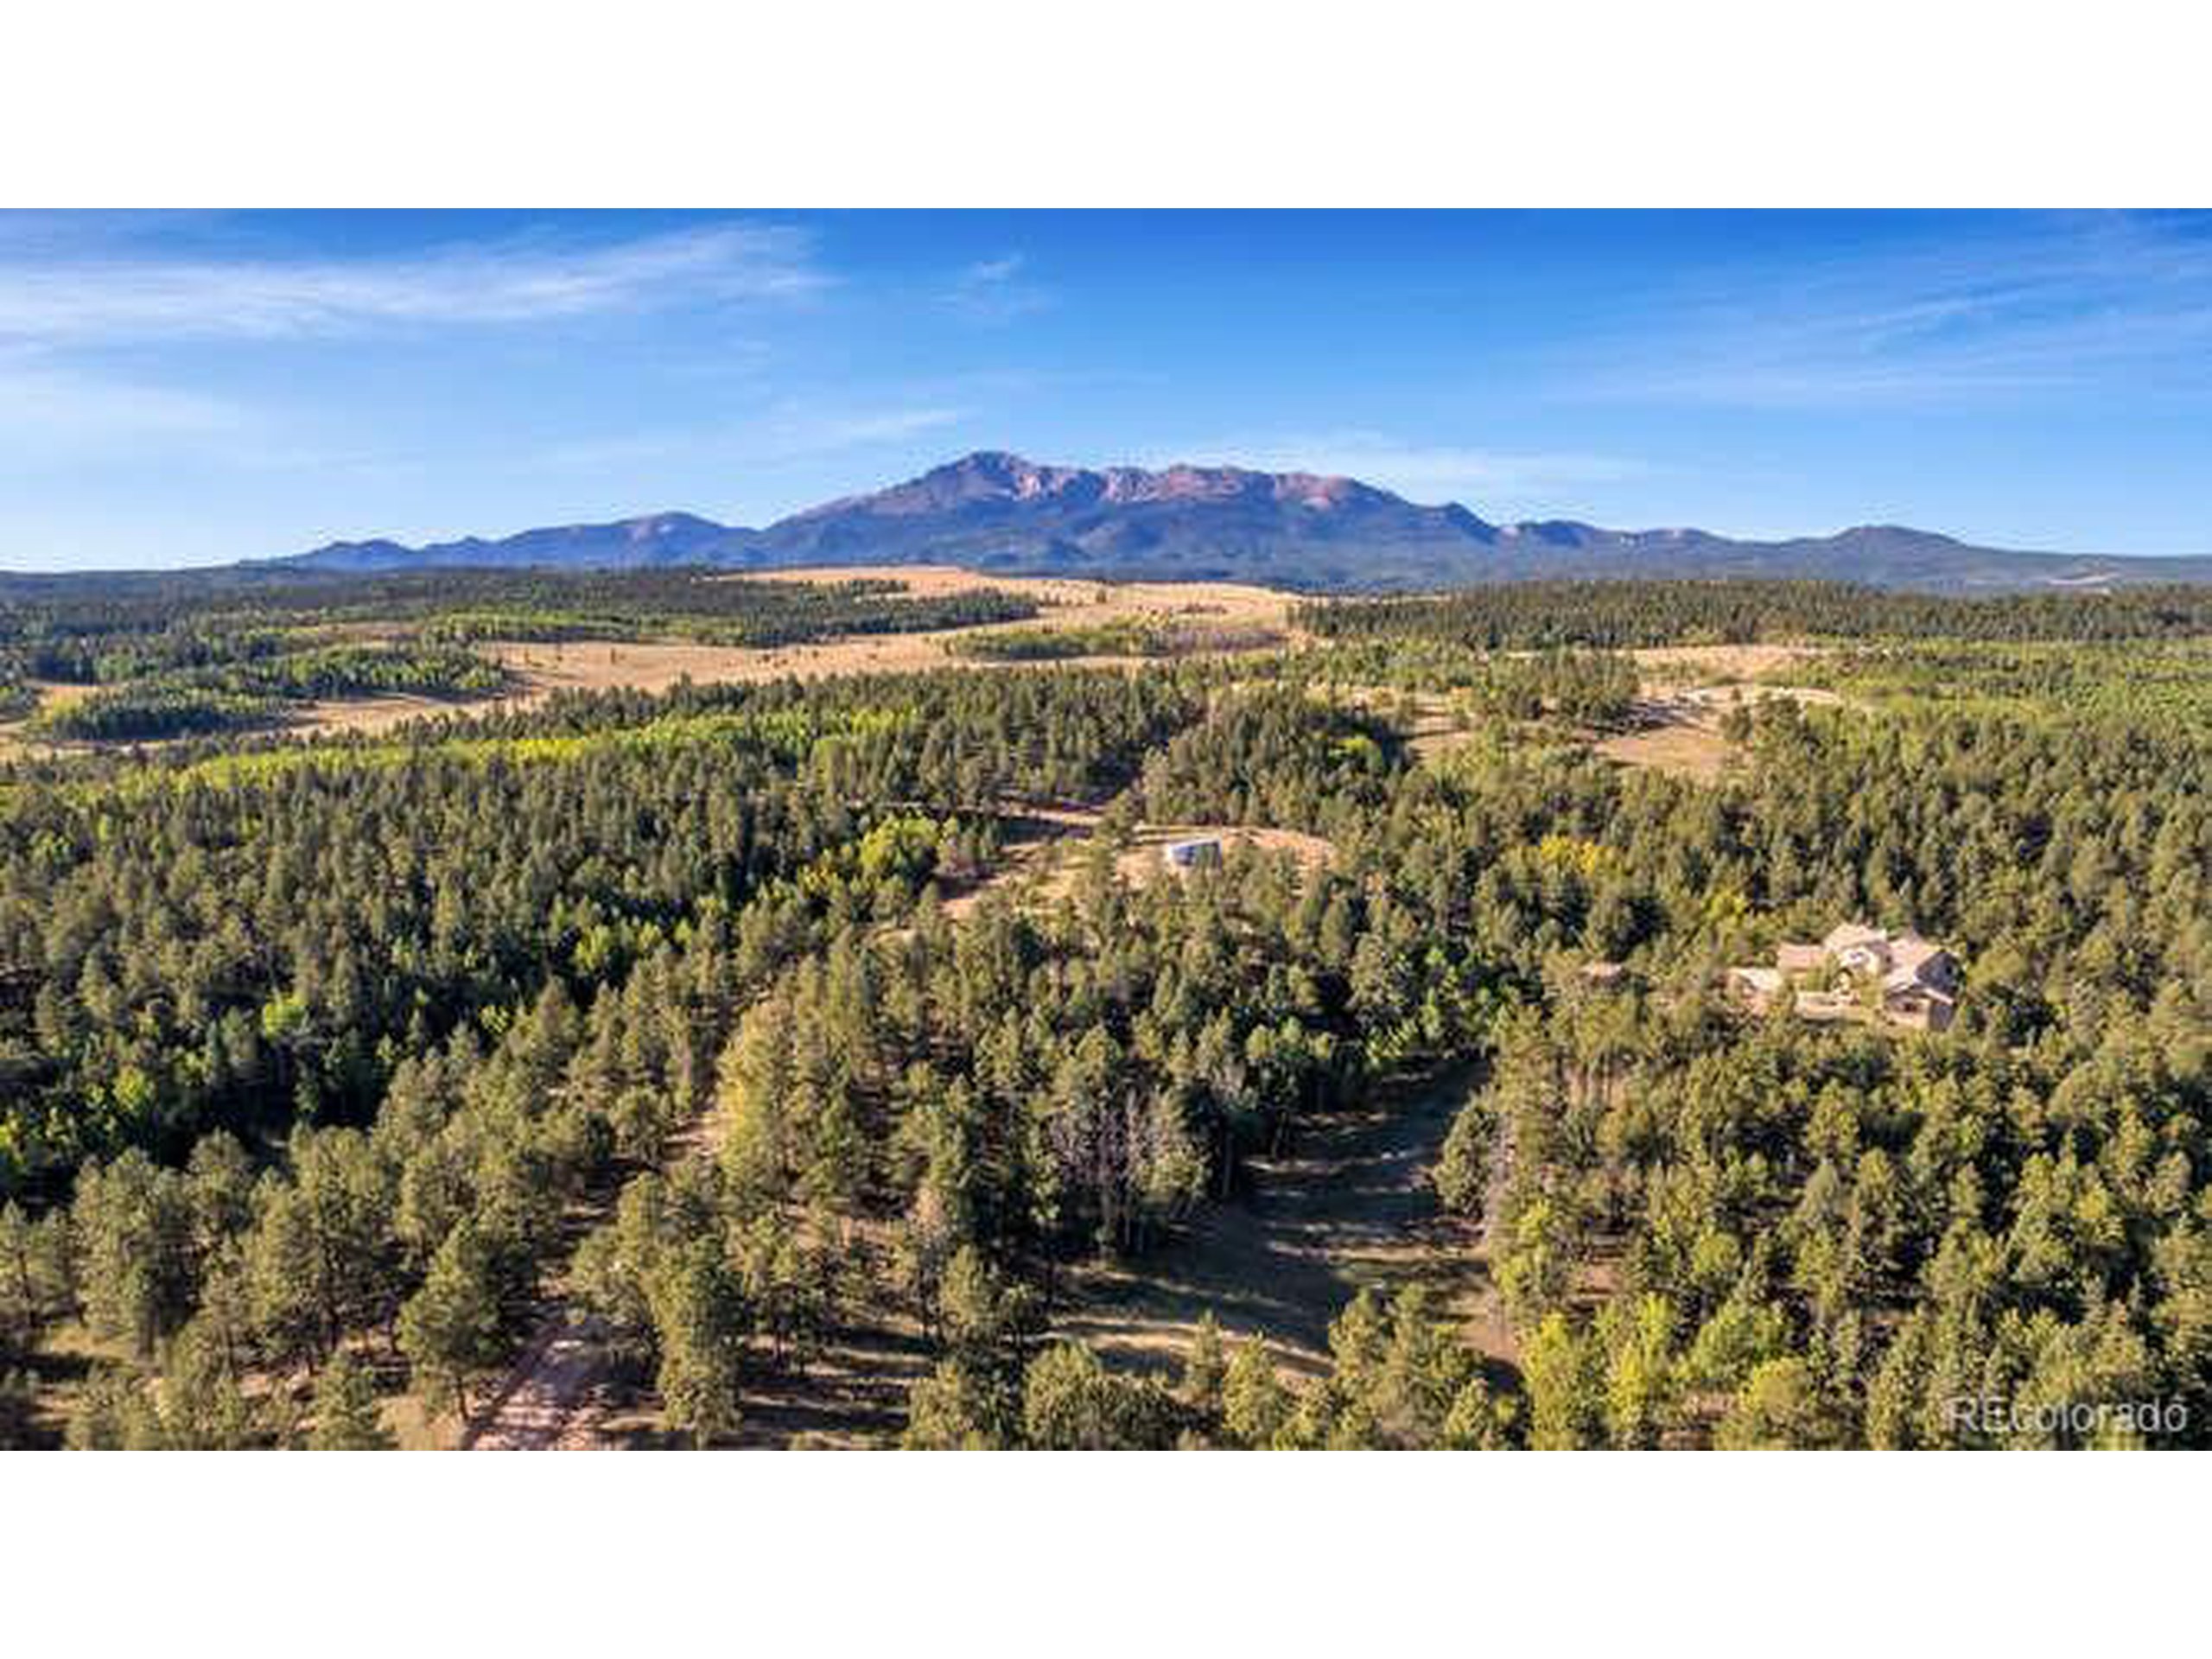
x=711 y=1027
x=1622 y=614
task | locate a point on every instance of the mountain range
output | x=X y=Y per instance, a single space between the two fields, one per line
x=999 y=513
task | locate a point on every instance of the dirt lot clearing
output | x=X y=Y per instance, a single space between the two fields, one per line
x=1676 y=742
x=1710 y=665
x=1042 y=855
x=1348 y=1205
x=1686 y=692
x=1070 y=601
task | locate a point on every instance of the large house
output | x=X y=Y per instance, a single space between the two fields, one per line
x=1858 y=972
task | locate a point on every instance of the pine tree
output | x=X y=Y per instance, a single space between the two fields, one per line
x=202 y=1406
x=1641 y=1368
x=699 y=1317
x=17 y=1402
x=347 y=1417
x=1205 y=1368
x=1566 y=1391
x=1070 y=1402
x=954 y=1410
x=135 y=1226
x=22 y=1308
x=1780 y=1408
x=450 y=1329
x=1256 y=1406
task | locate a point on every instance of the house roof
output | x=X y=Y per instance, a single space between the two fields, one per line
x=1800 y=959
x=1826 y=1005
x=1844 y=935
x=1913 y=991
x=1911 y=952
x=1759 y=979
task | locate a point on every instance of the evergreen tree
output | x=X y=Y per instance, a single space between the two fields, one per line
x=698 y=1317
x=347 y=1417
x=450 y=1329
x=1256 y=1406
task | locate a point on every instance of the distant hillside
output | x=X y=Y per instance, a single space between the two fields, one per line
x=662 y=539
x=998 y=512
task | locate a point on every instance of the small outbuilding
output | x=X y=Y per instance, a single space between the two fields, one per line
x=1190 y=854
x=1757 y=988
x=1800 y=958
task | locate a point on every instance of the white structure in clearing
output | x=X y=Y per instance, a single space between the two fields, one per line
x=1189 y=855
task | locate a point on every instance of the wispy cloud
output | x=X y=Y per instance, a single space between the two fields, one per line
x=50 y=412
x=996 y=290
x=846 y=430
x=115 y=298
x=1496 y=480
x=783 y=433
x=1999 y=309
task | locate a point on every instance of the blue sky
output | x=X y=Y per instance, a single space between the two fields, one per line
x=187 y=388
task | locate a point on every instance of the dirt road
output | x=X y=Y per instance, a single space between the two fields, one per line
x=545 y=1403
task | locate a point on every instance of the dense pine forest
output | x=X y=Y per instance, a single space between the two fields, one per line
x=1629 y=612
x=720 y=1034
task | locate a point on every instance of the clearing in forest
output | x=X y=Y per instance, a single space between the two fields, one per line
x=1043 y=852
x=1347 y=1206
x=654 y=665
x=51 y=694
x=1684 y=692
x=1072 y=601
x=1717 y=664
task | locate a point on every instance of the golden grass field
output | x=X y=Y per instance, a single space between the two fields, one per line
x=1686 y=689
x=655 y=666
